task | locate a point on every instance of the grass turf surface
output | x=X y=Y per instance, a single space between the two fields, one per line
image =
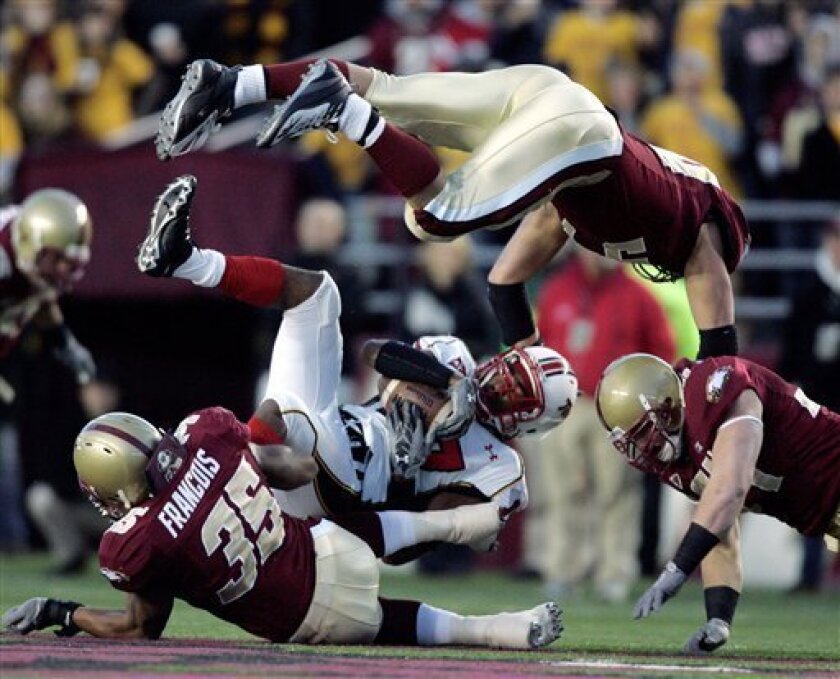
x=774 y=634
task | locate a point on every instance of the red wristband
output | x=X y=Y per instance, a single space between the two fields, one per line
x=262 y=434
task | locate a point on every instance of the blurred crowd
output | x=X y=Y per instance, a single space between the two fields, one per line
x=750 y=88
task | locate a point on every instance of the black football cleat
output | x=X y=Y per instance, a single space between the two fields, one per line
x=316 y=104
x=206 y=96
x=168 y=242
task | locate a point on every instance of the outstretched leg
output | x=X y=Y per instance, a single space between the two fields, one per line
x=412 y=623
x=168 y=250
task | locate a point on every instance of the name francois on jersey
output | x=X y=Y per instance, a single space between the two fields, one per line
x=188 y=493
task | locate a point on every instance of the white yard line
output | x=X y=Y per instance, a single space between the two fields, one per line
x=647 y=667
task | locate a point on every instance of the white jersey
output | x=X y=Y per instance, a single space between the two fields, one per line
x=352 y=444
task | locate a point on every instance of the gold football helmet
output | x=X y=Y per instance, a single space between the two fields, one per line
x=110 y=454
x=640 y=402
x=51 y=237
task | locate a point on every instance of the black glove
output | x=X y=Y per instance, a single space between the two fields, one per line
x=710 y=637
x=409 y=447
x=71 y=353
x=40 y=613
x=463 y=395
x=666 y=586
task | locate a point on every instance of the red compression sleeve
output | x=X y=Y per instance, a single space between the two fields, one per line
x=405 y=161
x=253 y=280
x=282 y=79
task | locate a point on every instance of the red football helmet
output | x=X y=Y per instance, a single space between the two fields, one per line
x=525 y=391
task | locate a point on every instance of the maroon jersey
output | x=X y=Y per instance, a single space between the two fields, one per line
x=20 y=298
x=649 y=207
x=797 y=477
x=216 y=537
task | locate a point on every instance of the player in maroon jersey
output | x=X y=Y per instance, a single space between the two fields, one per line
x=44 y=247
x=542 y=147
x=196 y=520
x=735 y=437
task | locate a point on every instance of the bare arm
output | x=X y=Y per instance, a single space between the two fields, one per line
x=722 y=566
x=707 y=282
x=144 y=617
x=538 y=238
x=282 y=467
x=734 y=456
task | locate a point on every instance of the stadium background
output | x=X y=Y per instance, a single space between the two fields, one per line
x=79 y=94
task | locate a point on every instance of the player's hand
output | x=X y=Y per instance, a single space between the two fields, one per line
x=666 y=586
x=463 y=395
x=410 y=448
x=74 y=356
x=710 y=637
x=40 y=613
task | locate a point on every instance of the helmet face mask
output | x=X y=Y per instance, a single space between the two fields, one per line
x=51 y=238
x=523 y=391
x=640 y=402
x=647 y=445
x=62 y=269
x=111 y=455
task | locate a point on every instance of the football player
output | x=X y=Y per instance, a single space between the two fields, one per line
x=542 y=147
x=735 y=437
x=196 y=520
x=365 y=458
x=44 y=248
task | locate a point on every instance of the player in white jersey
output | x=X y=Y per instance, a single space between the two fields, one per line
x=353 y=444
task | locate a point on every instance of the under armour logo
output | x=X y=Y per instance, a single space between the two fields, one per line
x=490 y=452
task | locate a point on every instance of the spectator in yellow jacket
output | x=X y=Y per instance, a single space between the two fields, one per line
x=585 y=41
x=697 y=119
x=111 y=68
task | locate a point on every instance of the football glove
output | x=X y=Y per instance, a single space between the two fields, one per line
x=666 y=586
x=40 y=613
x=463 y=395
x=710 y=637
x=410 y=448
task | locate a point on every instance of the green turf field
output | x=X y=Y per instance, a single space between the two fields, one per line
x=770 y=626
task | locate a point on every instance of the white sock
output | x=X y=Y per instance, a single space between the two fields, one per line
x=437 y=627
x=434 y=626
x=405 y=529
x=355 y=117
x=250 y=86
x=398 y=531
x=203 y=267
x=474 y=525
